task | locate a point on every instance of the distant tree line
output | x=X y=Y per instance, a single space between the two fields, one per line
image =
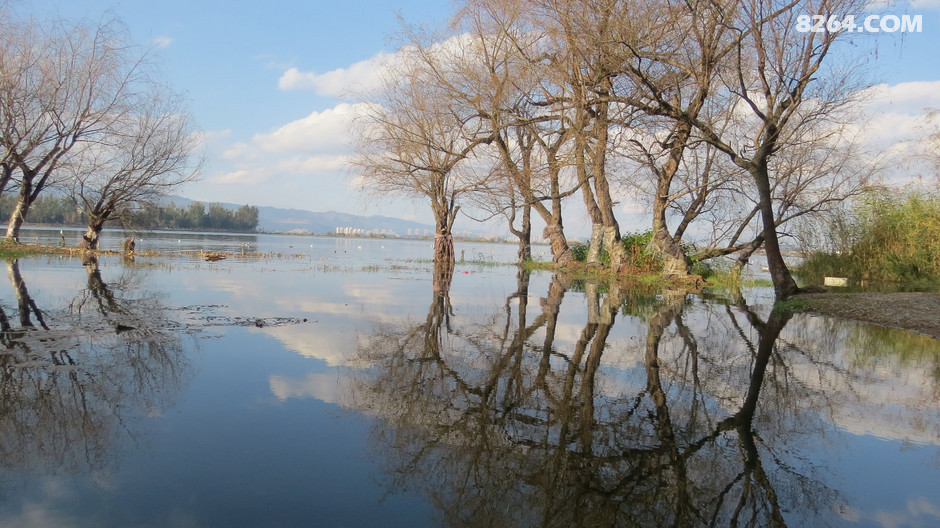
x=197 y=216
x=63 y=211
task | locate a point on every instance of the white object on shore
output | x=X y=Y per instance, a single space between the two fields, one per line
x=835 y=281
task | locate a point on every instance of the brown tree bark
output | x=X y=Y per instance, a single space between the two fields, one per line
x=90 y=240
x=561 y=253
x=784 y=285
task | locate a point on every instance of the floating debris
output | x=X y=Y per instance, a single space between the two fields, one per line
x=259 y=322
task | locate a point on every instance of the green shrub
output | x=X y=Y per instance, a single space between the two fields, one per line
x=640 y=252
x=579 y=251
x=704 y=269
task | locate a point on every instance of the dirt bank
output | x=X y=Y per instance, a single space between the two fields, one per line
x=919 y=312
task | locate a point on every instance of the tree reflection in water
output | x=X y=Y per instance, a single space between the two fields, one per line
x=71 y=386
x=502 y=427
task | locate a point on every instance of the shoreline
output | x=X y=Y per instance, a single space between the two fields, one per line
x=914 y=311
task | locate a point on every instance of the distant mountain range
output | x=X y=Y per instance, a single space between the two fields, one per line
x=287 y=220
x=277 y=220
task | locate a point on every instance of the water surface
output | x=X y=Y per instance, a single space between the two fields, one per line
x=344 y=384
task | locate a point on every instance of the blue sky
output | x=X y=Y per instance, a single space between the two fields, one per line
x=265 y=82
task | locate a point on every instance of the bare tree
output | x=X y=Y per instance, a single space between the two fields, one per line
x=63 y=85
x=525 y=97
x=12 y=63
x=512 y=169
x=497 y=83
x=577 y=67
x=779 y=76
x=712 y=205
x=146 y=153
x=672 y=55
x=414 y=135
x=777 y=81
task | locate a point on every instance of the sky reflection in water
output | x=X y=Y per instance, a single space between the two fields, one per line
x=177 y=392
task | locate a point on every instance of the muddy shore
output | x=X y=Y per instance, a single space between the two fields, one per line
x=919 y=312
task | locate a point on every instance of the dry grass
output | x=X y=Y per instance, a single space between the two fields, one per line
x=9 y=250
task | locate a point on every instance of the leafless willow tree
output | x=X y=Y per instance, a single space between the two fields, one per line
x=147 y=152
x=672 y=57
x=529 y=151
x=553 y=92
x=714 y=211
x=734 y=77
x=583 y=66
x=64 y=85
x=776 y=80
x=786 y=82
x=413 y=137
x=10 y=70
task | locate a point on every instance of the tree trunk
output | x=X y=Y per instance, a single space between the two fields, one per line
x=92 y=234
x=6 y=174
x=745 y=254
x=561 y=253
x=524 y=234
x=16 y=219
x=674 y=263
x=784 y=285
x=596 y=244
x=618 y=255
x=443 y=238
x=444 y=249
x=605 y=203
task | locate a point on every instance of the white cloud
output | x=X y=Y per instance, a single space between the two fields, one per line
x=365 y=74
x=908 y=98
x=325 y=130
x=925 y=4
x=360 y=76
x=314 y=164
x=308 y=158
x=893 y=124
x=235 y=177
x=162 y=42
x=321 y=136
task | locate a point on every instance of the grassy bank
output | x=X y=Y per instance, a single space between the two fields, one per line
x=12 y=250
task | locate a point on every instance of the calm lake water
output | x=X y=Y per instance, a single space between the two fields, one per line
x=337 y=382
